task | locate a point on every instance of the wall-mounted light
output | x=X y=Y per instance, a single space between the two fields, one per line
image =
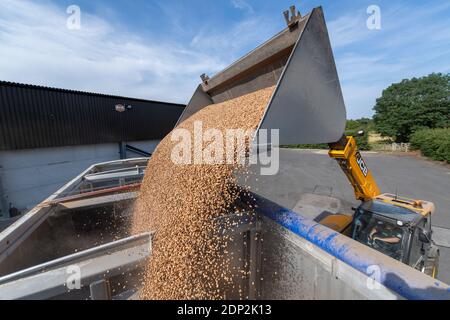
x=120 y=108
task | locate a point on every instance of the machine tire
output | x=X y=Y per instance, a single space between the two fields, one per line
x=431 y=267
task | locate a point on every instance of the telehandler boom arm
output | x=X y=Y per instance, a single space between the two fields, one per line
x=346 y=153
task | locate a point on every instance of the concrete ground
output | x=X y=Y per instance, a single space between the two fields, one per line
x=303 y=171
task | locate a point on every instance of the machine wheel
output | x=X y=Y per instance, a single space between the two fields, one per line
x=431 y=267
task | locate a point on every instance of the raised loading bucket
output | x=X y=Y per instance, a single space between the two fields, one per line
x=307 y=104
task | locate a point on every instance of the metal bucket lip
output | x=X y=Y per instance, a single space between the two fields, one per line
x=207 y=87
x=201 y=95
x=307 y=105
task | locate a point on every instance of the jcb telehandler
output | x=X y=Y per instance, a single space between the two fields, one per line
x=395 y=226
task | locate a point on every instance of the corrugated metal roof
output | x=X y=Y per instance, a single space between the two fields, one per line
x=41 y=117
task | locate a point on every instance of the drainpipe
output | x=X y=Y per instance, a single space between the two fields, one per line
x=121 y=109
x=4 y=213
x=122 y=150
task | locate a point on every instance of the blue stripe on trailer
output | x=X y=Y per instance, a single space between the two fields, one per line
x=402 y=279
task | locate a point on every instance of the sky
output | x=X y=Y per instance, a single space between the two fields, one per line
x=158 y=49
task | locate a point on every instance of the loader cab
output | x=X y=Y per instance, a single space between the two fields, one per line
x=379 y=231
x=397 y=231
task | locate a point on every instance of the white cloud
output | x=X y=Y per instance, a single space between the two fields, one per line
x=242 y=5
x=347 y=30
x=36 y=47
x=242 y=37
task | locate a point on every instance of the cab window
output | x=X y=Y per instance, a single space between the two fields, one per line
x=415 y=255
x=380 y=234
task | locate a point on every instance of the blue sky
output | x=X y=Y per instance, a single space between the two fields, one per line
x=157 y=49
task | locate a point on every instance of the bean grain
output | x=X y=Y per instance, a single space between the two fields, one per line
x=180 y=204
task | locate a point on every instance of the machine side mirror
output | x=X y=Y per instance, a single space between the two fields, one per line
x=361 y=133
x=424 y=236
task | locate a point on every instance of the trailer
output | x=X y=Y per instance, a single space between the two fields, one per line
x=80 y=230
x=77 y=245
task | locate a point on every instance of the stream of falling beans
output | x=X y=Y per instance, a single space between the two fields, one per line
x=180 y=202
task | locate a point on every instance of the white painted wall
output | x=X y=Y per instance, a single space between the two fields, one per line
x=28 y=177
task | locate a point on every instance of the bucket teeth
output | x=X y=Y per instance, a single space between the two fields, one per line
x=292 y=17
x=287 y=17
x=204 y=78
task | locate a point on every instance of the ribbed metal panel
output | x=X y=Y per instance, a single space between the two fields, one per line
x=41 y=117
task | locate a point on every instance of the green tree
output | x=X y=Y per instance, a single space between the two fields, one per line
x=412 y=105
x=434 y=143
